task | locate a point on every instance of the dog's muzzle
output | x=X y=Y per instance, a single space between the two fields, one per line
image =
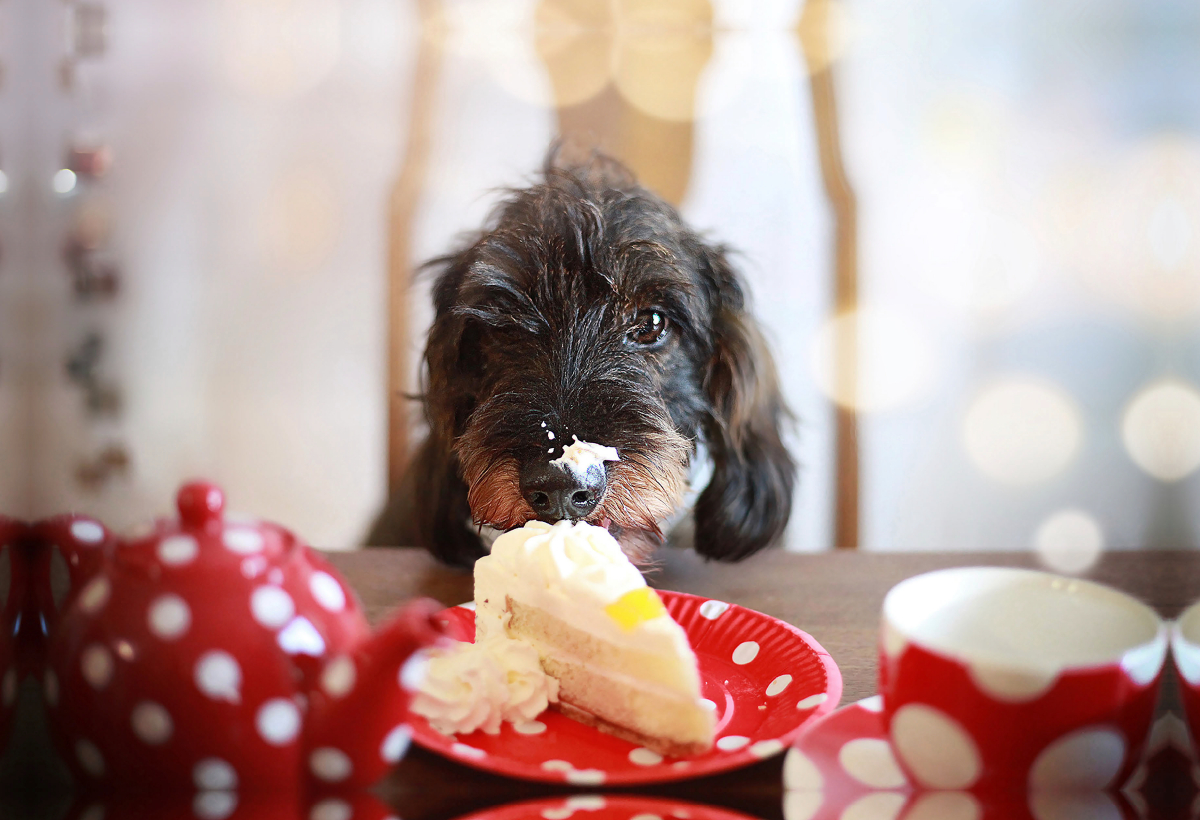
x=556 y=494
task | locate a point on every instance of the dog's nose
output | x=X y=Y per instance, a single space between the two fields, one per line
x=556 y=494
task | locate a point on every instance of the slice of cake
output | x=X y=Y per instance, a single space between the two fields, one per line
x=621 y=662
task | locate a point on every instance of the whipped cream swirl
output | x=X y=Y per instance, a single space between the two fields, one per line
x=470 y=686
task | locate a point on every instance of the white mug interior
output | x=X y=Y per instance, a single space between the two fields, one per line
x=1024 y=621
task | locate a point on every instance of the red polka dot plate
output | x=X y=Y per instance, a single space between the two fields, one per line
x=605 y=807
x=766 y=677
x=843 y=765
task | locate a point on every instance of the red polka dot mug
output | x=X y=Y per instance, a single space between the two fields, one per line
x=218 y=654
x=997 y=679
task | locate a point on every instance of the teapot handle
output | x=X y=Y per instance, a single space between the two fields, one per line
x=84 y=544
x=30 y=604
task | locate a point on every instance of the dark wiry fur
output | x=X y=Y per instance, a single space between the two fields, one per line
x=531 y=325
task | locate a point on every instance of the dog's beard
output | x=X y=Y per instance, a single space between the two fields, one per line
x=642 y=489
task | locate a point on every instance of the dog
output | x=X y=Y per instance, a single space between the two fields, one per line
x=589 y=312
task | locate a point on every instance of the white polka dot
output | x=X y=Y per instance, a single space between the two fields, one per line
x=766 y=748
x=871 y=704
x=177 y=550
x=813 y=701
x=50 y=687
x=944 y=806
x=242 y=540
x=170 y=617
x=218 y=675
x=710 y=705
x=642 y=756
x=214 y=805
x=89 y=758
x=557 y=766
x=1084 y=759
x=395 y=744
x=801 y=805
x=586 y=802
x=529 y=727
x=338 y=677
x=8 y=688
x=1084 y=805
x=96 y=663
x=472 y=752
x=1010 y=685
x=89 y=532
x=212 y=774
x=327 y=591
x=95 y=595
x=330 y=764
x=646 y=817
x=799 y=772
x=869 y=761
x=731 y=743
x=468 y=605
x=937 y=750
x=713 y=609
x=876 y=806
x=557 y=814
x=152 y=723
x=271 y=606
x=778 y=685
x=278 y=721
x=331 y=809
x=1144 y=663
x=586 y=777
x=414 y=671
x=745 y=652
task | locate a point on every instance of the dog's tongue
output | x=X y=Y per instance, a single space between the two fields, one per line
x=605 y=522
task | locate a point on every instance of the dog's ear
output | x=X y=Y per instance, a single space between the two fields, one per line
x=749 y=499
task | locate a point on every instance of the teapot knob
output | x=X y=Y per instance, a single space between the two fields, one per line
x=200 y=504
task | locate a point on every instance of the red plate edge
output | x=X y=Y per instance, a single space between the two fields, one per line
x=424 y=736
x=619 y=805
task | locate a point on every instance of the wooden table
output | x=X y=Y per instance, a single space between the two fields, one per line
x=835 y=597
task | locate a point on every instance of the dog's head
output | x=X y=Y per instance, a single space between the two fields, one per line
x=590 y=311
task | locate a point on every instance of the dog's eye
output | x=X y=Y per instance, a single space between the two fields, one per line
x=649 y=328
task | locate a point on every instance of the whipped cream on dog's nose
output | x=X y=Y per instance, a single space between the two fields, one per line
x=579 y=456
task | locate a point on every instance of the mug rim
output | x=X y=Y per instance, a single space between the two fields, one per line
x=1157 y=627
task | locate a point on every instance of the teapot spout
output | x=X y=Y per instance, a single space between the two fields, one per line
x=357 y=723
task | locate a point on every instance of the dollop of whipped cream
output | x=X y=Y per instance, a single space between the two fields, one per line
x=579 y=456
x=569 y=557
x=470 y=686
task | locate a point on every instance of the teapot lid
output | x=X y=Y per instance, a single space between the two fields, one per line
x=203 y=535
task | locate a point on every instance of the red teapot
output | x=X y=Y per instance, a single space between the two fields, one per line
x=209 y=653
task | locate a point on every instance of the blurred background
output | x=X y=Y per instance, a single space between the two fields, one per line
x=971 y=231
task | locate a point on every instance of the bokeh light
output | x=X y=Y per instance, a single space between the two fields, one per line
x=896 y=360
x=64 y=181
x=280 y=49
x=662 y=50
x=1021 y=430
x=1161 y=429
x=1069 y=541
